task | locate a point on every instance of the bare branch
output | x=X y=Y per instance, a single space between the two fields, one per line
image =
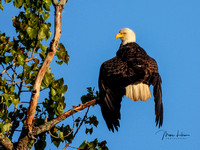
x=67 y=145
x=82 y=122
x=9 y=75
x=27 y=85
x=48 y=125
x=16 y=82
x=10 y=66
x=5 y=141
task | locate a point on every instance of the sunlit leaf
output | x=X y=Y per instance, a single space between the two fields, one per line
x=46 y=15
x=53 y=92
x=18 y=3
x=6 y=127
x=20 y=60
x=15 y=101
x=8 y=1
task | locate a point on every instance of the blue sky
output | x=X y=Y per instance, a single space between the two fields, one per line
x=169 y=31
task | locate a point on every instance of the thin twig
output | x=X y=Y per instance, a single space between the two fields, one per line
x=27 y=85
x=8 y=73
x=14 y=70
x=67 y=145
x=10 y=66
x=16 y=82
x=65 y=135
x=26 y=91
x=81 y=122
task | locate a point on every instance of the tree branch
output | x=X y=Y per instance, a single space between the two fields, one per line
x=5 y=141
x=48 y=125
x=10 y=66
x=16 y=82
x=45 y=65
x=56 y=137
x=81 y=122
x=26 y=134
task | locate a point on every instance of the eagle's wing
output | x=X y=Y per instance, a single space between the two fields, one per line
x=111 y=90
x=156 y=81
x=139 y=60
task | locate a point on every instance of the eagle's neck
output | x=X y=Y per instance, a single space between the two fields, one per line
x=123 y=49
x=128 y=39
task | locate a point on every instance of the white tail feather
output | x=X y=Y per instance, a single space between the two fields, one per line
x=139 y=91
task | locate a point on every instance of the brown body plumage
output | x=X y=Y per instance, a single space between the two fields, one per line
x=129 y=73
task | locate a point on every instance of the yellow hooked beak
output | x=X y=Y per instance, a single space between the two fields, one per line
x=119 y=35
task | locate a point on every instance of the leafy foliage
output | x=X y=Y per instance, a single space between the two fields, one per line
x=93 y=145
x=92 y=94
x=21 y=58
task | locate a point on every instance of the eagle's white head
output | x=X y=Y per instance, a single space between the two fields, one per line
x=126 y=35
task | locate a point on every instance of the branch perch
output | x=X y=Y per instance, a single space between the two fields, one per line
x=48 y=125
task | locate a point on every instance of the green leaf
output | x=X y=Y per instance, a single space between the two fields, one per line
x=53 y=92
x=47 y=5
x=60 y=134
x=20 y=59
x=62 y=53
x=8 y=1
x=64 y=89
x=8 y=59
x=83 y=145
x=59 y=55
x=12 y=88
x=59 y=62
x=31 y=32
x=56 y=143
x=43 y=47
x=18 y=3
x=1 y=7
x=46 y=15
x=89 y=130
x=15 y=101
x=42 y=55
x=44 y=32
x=61 y=107
x=6 y=127
x=46 y=80
x=89 y=96
x=102 y=145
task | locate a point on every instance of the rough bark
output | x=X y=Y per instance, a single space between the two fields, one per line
x=26 y=134
x=5 y=142
x=45 y=65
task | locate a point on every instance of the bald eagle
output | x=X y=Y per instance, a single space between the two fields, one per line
x=129 y=73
